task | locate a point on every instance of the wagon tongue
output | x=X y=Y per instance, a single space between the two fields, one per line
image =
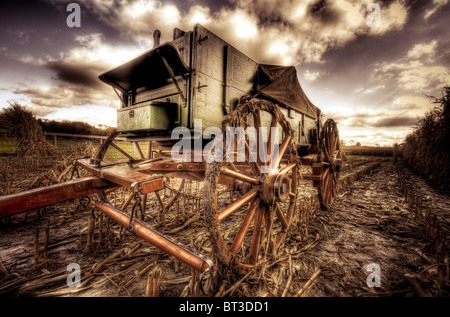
x=147 y=70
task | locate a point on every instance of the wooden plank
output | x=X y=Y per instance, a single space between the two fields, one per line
x=48 y=195
x=124 y=176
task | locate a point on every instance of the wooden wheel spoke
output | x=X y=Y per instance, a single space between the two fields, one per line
x=251 y=159
x=327 y=178
x=336 y=177
x=278 y=156
x=256 y=236
x=326 y=171
x=257 y=122
x=271 y=247
x=127 y=202
x=243 y=229
x=118 y=148
x=175 y=197
x=237 y=204
x=138 y=147
x=280 y=215
x=271 y=140
x=287 y=168
x=149 y=150
x=335 y=144
x=240 y=176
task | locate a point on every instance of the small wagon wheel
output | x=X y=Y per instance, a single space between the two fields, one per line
x=252 y=228
x=122 y=152
x=134 y=152
x=330 y=157
x=111 y=152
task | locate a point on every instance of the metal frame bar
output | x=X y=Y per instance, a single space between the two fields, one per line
x=172 y=75
x=39 y=197
x=156 y=238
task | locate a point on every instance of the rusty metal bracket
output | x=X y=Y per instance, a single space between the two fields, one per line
x=136 y=204
x=85 y=201
x=140 y=185
x=75 y=170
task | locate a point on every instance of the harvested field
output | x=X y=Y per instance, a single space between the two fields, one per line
x=383 y=214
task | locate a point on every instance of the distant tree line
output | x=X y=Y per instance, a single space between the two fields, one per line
x=17 y=115
x=427 y=148
x=72 y=127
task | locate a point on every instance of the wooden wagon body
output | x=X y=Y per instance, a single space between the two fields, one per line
x=198 y=77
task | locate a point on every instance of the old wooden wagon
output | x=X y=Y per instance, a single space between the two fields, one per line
x=207 y=112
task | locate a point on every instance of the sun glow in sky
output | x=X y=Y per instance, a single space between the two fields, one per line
x=374 y=81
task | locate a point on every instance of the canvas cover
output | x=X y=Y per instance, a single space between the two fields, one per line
x=280 y=83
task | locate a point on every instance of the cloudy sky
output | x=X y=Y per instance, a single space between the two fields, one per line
x=369 y=72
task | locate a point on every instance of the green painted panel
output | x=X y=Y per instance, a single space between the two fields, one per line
x=147 y=117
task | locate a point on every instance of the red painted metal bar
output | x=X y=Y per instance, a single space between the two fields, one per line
x=48 y=195
x=155 y=237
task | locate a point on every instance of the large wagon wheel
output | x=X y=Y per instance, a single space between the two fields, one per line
x=330 y=156
x=252 y=228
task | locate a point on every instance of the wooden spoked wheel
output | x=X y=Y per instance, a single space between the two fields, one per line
x=120 y=152
x=131 y=151
x=113 y=151
x=331 y=161
x=251 y=228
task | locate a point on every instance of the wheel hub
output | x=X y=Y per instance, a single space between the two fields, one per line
x=275 y=185
x=335 y=164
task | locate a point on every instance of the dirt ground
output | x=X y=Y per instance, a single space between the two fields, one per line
x=371 y=223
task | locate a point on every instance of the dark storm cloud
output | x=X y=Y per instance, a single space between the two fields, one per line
x=382 y=76
x=395 y=122
x=63 y=95
x=367 y=77
x=75 y=74
x=385 y=122
x=325 y=12
x=361 y=55
x=376 y=119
